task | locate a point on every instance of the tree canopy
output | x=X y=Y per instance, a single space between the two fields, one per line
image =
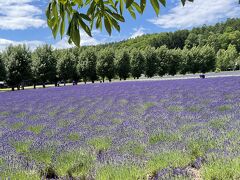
x=97 y=13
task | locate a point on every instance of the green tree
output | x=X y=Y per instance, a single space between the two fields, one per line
x=105 y=64
x=184 y=63
x=66 y=66
x=162 y=60
x=227 y=59
x=173 y=60
x=87 y=66
x=18 y=65
x=137 y=63
x=99 y=13
x=44 y=64
x=192 y=40
x=123 y=64
x=151 y=62
x=194 y=59
x=2 y=69
x=207 y=59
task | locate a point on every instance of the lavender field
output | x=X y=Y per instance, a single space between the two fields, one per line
x=176 y=129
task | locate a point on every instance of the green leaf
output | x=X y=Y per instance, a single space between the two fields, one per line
x=143 y=4
x=131 y=11
x=137 y=7
x=115 y=24
x=91 y=9
x=63 y=1
x=117 y=16
x=107 y=25
x=84 y=26
x=121 y=6
x=155 y=6
x=79 y=2
x=84 y=16
x=163 y=2
x=48 y=11
x=62 y=28
x=99 y=23
x=129 y=3
x=55 y=11
x=183 y=2
x=55 y=30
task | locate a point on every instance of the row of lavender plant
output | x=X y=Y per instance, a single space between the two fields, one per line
x=124 y=130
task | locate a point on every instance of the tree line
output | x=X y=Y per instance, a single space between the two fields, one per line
x=204 y=49
x=19 y=66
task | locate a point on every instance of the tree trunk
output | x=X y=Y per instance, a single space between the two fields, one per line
x=18 y=87
x=110 y=80
x=85 y=82
x=124 y=79
x=34 y=86
x=120 y=79
x=22 y=87
x=12 y=88
x=64 y=83
x=92 y=81
x=137 y=77
x=44 y=85
x=103 y=80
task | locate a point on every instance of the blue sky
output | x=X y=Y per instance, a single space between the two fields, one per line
x=24 y=21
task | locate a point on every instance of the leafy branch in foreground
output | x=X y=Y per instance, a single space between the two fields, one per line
x=86 y=14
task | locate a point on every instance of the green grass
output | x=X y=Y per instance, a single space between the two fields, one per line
x=17 y=125
x=164 y=137
x=189 y=127
x=163 y=160
x=63 y=123
x=42 y=156
x=4 y=113
x=221 y=169
x=224 y=108
x=100 y=143
x=117 y=121
x=148 y=105
x=2 y=162
x=21 y=115
x=111 y=172
x=75 y=163
x=135 y=148
x=20 y=175
x=35 y=129
x=73 y=137
x=199 y=147
x=219 y=123
x=50 y=132
x=193 y=109
x=33 y=117
x=21 y=146
x=53 y=113
x=175 y=108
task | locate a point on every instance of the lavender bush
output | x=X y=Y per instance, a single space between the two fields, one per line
x=130 y=130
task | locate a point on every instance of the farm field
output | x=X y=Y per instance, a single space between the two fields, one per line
x=176 y=129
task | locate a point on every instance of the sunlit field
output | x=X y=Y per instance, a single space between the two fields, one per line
x=174 y=129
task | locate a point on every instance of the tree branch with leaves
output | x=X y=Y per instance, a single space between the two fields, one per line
x=89 y=14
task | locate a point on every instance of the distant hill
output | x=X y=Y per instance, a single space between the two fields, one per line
x=219 y=36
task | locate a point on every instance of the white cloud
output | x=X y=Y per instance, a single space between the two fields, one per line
x=20 y=14
x=138 y=32
x=31 y=44
x=198 y=13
